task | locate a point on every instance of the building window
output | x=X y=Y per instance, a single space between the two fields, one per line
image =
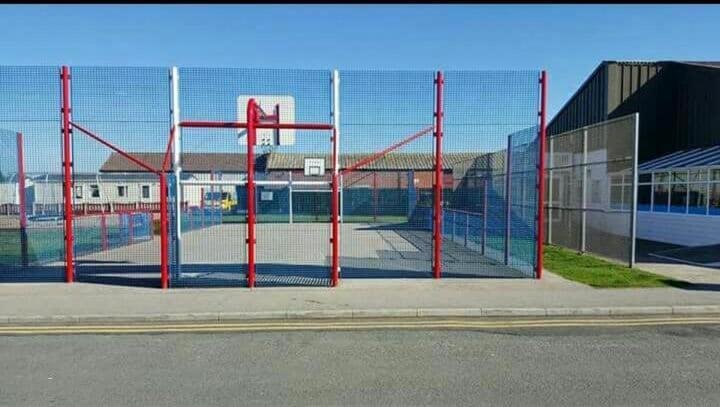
x=661 y=194
x=94 y=191
x=678 y=198
x=697 y=198
x=679 y=192
x=698 y=175
x=145 y=191
x=122 y=191
x=695 y=191
x=78 y=192
x=715 y=199
x=644 y=197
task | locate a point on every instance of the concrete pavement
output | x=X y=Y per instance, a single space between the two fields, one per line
x=551 y=296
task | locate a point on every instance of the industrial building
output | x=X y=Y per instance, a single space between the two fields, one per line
x=678 y=103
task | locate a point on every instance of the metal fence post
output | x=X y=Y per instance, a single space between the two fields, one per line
x=21 y=201
x=251 y=123
x=508 y=198
x=67 y=176
x=438 y=192
x=164 y=243
x=633 y=214
x=177 y=163
x=583 y=188
x=485 y=213
x=541 y=174
x=335 y=272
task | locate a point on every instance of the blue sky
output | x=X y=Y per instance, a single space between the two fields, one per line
x=568 y=41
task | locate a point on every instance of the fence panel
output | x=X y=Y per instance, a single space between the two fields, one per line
x=491 y=128
x=128 y=108
x=590 y=184
x=289 y=219
x=31 y=211
x=387 y=202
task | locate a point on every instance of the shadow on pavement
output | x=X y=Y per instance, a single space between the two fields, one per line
x=684 y=285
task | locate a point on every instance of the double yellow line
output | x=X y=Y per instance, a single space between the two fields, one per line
x=355 y=325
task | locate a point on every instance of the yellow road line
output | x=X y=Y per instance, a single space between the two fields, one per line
x=371 y=322
x=287 y=326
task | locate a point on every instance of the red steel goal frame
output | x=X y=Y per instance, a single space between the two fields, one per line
x=257 y=119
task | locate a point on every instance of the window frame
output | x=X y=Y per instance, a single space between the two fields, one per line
x=125 y=187
x=706 y=173
x=142 y=195
x=93 y=188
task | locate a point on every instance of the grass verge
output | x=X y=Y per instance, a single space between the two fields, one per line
x=599 y=273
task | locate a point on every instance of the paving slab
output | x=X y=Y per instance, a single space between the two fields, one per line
x=366 y=298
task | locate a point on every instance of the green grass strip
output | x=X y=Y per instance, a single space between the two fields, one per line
x=599 y=273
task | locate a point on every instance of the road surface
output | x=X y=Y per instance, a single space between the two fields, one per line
x=656 y=365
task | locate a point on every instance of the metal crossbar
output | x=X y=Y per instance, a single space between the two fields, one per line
x=164 y=244
x=109 y=145
x=367 y=160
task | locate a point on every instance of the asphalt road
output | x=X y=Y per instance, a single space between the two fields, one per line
x=670 y=365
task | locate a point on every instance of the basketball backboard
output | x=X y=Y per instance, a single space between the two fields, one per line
x=314 y=167
x=268 y=103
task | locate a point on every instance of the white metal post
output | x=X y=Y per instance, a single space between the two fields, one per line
x=177 y=165
x=583 y=224
x=336 y=119
x=633 y=214
x=336 y=144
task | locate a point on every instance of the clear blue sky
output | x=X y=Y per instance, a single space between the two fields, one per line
x=568 y=41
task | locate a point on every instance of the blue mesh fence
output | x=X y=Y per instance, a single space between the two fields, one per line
x=127 y=107
x=491 y=120
x=99 y=233
x=219 y=255
x=380 y=236
x=30 y=104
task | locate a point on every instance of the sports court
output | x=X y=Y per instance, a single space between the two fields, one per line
x=272 y=177
x=370 y=251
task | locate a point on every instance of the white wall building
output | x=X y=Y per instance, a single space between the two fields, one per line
x=679 y=198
